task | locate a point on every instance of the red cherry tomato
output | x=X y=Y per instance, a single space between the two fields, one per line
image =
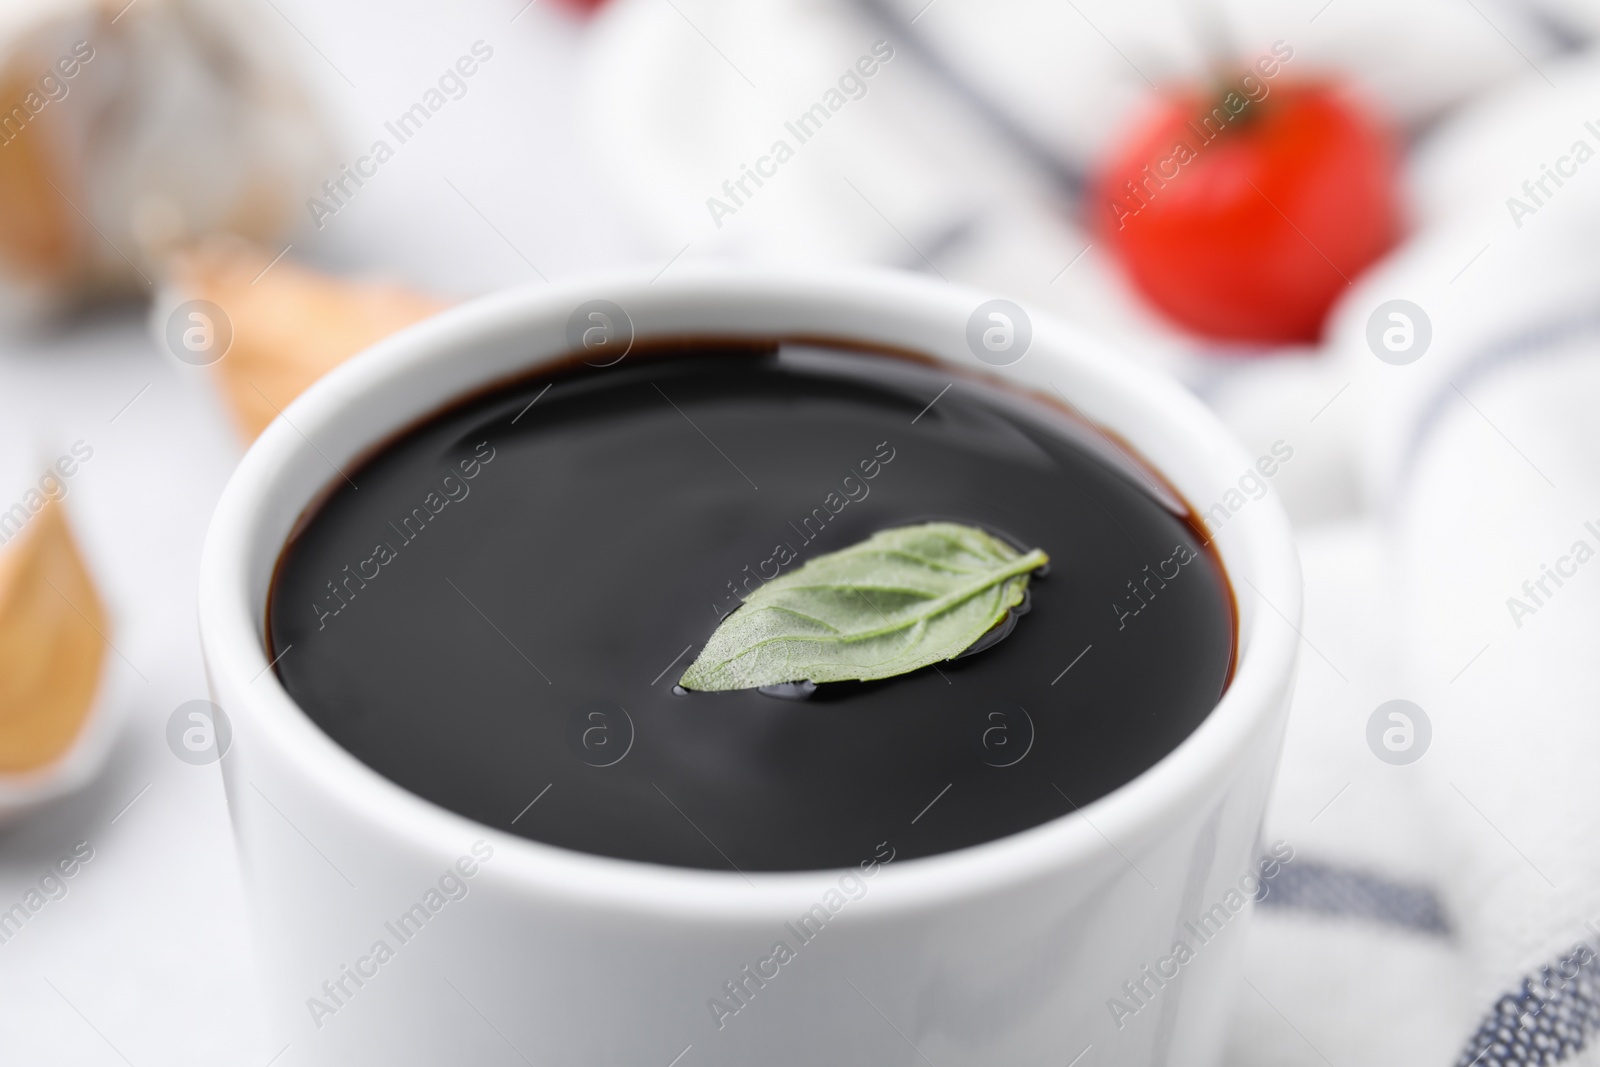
x=586 y=7
x=1249 y=229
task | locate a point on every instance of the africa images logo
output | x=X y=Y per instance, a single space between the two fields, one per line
x=999 y=332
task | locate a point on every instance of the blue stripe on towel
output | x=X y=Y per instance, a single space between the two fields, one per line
x=1548 y=1018
x=1329 y=890
x=1538 y=341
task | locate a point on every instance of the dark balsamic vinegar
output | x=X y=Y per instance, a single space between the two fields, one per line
x=502 y=609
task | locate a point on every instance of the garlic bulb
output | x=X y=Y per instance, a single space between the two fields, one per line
x=52 y=651
x=287 y=325
x=129 y=129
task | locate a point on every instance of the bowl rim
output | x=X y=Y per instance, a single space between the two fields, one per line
x=513 y=332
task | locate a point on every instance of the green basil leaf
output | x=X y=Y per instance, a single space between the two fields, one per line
x=900 y=600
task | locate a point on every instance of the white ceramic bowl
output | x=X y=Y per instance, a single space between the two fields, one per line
x=1004 y=953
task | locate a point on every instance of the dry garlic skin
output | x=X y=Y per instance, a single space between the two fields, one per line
x=41 y=239
x=51 y=650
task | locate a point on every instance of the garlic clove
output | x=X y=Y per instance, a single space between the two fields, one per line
x=290 y=325
x=52 y=652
